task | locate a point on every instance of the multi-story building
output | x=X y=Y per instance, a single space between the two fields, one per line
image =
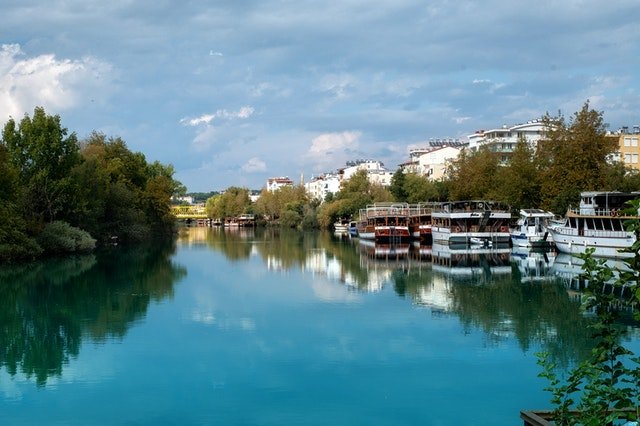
x=628 y=146
x=431 y=163
x=275 y=183
x=433 y=159
x=503 y=140
x=376 y=172
x=320 y=186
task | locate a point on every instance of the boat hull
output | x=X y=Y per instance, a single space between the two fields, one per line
x=519 y=239
x=605 y=244
x=448 y=237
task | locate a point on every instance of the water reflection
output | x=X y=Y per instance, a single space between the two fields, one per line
x=507 y=294
x=47 y=308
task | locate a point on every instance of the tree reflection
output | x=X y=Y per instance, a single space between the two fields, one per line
x=46 y=308
x=484 y=289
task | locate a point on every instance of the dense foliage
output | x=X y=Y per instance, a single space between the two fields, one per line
x=90 y=190
x=574 y=156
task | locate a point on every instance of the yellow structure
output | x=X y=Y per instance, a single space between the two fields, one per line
x=189 y=212
x=629 y=146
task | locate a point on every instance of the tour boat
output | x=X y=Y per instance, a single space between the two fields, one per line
x=597 y=223
x=385 y=222
x=532 y=228
x=420 y=222
x=470 y=223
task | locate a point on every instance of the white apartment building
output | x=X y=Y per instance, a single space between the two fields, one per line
x=504 y=139
x=275 y=183
x=322 y=185
x=376 y=172
x=431 y=163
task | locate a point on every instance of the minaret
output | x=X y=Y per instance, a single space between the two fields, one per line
x=302 y=178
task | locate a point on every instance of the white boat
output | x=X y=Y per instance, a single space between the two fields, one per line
x=467 y=222
x=599 y=224
x=341 y=227
x=532 y=228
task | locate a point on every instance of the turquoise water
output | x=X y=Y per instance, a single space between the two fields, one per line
x=273 y=328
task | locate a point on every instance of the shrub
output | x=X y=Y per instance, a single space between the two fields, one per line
x=61 y=238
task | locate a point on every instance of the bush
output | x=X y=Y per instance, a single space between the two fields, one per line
x=61 y=238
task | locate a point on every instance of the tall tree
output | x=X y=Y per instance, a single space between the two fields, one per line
x=397 y=187
x=519 y=180
x=473 y=175
x=573 y=158
x=44 y=154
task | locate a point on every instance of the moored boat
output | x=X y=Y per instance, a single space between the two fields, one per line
x=468 y=223
x=341 y=227
x=420 y=222
x=597 y=223
x=531 y=229
x=385 y=222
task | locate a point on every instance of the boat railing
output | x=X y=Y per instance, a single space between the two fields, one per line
x=605 y=234
x=592 y=233
x=603 y=212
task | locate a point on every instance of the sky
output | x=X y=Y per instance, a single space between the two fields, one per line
x=233 y=92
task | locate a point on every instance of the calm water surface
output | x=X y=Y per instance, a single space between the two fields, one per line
x=272 y=328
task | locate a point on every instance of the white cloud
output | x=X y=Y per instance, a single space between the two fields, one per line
x=44 y=80
x=254 y=165
x=339 y=85
x=330 y=149
x=242 y=113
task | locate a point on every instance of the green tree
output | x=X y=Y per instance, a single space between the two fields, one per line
x=234 y=202
x=518 y=181
x=397 y=187
x=419 y=189
x=15 y=244
x=573 y=158
x=473 y=175
x=44 y=154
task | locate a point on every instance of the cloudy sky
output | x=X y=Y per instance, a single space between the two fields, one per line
x=233 y=92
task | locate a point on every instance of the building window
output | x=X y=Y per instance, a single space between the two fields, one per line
x=634 y=158
x=627 y=141
x=627 y=158
x=634 y=141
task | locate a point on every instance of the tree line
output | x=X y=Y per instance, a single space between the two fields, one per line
x=64 y=195
x=575 y=155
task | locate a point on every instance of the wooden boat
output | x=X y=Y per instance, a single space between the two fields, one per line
x=420 y=222
x=385 y=222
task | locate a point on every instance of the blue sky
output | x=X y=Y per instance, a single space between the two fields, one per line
x=234 y=92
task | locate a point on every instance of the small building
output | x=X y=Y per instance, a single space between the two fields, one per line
x=275 y=183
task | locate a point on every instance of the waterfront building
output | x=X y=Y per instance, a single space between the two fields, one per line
x=431 y=163
x=376 y=172
x=504 y=139
x=628 y=147
x=275 y=183
x=320 y=186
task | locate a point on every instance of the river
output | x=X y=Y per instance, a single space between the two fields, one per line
x=269 y=327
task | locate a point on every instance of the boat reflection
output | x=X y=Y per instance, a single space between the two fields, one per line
x=569 y=268
x=534 y=265
x=477 y=264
